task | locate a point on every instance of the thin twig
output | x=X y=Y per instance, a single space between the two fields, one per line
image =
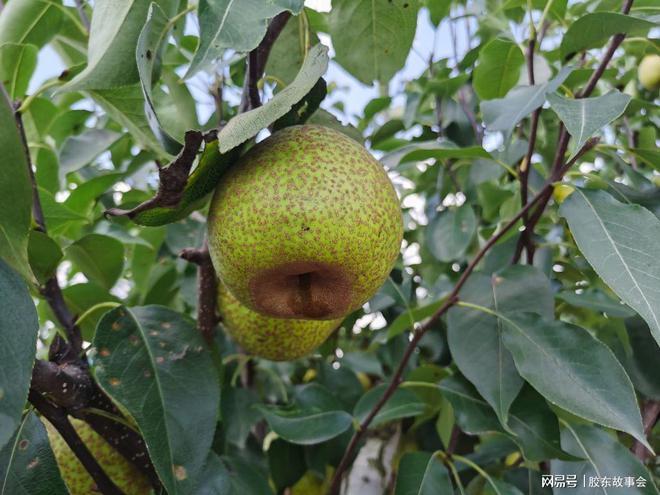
x=58 y=418
x=526 y=239
x=51 y=289
x=650 y=416
x=632 y=142
x=207 y=290
x=256 y=64
x=67 y=380
x=558 y=168
x=417 y=335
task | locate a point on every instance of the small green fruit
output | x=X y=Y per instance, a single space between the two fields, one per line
x=306 y=225
x=77 y=479
x=648 y=72
x=276 y=339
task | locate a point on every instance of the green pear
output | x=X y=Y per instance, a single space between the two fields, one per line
x=306 y=225
x=648 y=72
x=77 y=479
x=276 y=339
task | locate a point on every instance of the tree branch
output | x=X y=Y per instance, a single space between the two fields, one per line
x=558 y=169
x=172 y=179
x=51 y=289
x=58 y=418
x=207 y=290
x=650 y=416
x=417 y=335
x=256 y=63
x=527 y=240
x=67 y=380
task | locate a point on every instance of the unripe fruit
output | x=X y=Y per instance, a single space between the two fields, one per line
x=276 y=339
x=648 y=72
x=306 y=225
x=77 y=479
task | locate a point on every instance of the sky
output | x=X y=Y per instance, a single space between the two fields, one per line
x=352 y=93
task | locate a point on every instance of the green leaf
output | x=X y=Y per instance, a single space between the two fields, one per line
x=84 y=196
x=286 y=463
x=152 y=361
x=233 y=475
x=503 y=114
x=650 y=156
x=642 y=363
x=585 y=116
x=125 y=105
x=473 y=414
x=406 y=319
x=574 y=370
x=440 y=150
x=593 y=31
x=596 y=300
x=238 y=415
x=605 y=456
x=83 y=297
x=248 y=124
x=237 y=25
x=402 y=404
x=372 y=38
x=32 y=22
x=422 y=473
x=44 y=255
x=17 y=63
x=535 y=426
x=438 y=9
x=148 y=54
x=78 y=151
x=57 y=216
x=15 y=192
x=475 y=337
x=99 y=257
x=622 y=244
x=116 y=25
x=498 y=69
x=500 y=488
x=307 y=427
x=288 y=53
x=18 y=333
x=450 y=233
x=27 y=464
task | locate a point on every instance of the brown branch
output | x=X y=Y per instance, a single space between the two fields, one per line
x=51 y=289
x=172 y=179
x=67 y=381
x=451 y=299
x=207 y=290
x=526 y=239
x=650 y=416
x=256 y=63
x=558 y=168
x=58 y=418
x=69 y=387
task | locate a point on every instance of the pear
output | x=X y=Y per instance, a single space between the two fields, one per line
x=306 y=225
x=78 y=481
x=275 y=339
x=648 y=72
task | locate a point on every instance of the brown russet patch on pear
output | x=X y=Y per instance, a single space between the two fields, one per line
x=304 y=290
